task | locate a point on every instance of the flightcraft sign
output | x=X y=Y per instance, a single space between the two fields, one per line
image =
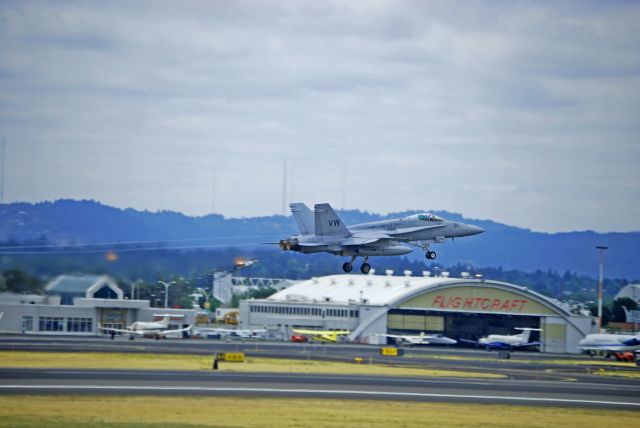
x=482 y=303
x=478 y=299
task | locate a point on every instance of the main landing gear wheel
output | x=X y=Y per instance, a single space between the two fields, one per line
x=365 y=268
x=430 y=255
x=347 y=267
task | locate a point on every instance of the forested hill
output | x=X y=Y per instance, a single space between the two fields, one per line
x=81 y=222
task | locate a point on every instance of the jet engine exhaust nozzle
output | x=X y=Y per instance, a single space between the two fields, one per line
x=285 y=245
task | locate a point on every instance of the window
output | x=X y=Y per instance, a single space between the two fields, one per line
x=51 y=324
x=27 y=323
x=79 y=324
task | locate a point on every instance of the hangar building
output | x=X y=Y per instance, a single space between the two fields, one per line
x=456 y=307
x=77 y=305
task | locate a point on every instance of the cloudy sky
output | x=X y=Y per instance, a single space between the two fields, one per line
x=527 y=113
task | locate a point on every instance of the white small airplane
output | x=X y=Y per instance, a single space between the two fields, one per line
x=611 y=343
x=155 y=329
x=506 y=342
x=230 y=333
x=422 y=339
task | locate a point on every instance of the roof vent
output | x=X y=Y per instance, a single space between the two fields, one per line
x=315 y=280
x=407 y=283
x=426 y=273
x=387 y=283
x=445 y=274
x=327 y=299
x=351 y=281
x=388 y=272
x=369 y=282
x=333 y=281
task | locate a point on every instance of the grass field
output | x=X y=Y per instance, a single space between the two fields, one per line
x=130 y=411
x=99 y=360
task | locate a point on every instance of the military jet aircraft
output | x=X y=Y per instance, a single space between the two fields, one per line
x=323 y=231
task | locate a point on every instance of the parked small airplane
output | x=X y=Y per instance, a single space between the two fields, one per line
x=231 y=333
x=156 y=329
x=421 y=339
x=323 y=335
x=323 y=231
x=506 y=342
x=610 y=343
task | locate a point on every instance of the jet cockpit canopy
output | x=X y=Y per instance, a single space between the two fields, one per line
x=424 y=217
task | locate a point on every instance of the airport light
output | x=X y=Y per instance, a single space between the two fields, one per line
x=166 y=291
x=601 y=249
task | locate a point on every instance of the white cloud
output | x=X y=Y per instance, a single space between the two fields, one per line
x=502 y=111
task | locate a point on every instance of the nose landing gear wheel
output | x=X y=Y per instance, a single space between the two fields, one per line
x=365 y=268
x=347 y=267
x=430 y=255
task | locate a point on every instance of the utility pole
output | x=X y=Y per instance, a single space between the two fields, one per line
x=166 y=291
x=601 y=249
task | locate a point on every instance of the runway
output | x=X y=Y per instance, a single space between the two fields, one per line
x=501 y=391
x=522 y=365
x=530 y=378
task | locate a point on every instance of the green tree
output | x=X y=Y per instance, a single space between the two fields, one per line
x=18 y=281
x=606 y=313
x=617 y=309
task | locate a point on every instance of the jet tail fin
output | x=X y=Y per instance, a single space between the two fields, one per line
x=304 y=217
x=328 y=223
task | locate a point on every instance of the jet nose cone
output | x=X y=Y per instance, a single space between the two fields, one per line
x=474 y=230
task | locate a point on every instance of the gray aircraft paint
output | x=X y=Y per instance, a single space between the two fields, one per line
x=379 y=238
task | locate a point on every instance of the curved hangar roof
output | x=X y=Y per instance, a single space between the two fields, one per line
x=439 y=293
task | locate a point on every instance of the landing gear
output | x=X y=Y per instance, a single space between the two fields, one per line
x=427 y=253
x=365 y=268
x=348 y=266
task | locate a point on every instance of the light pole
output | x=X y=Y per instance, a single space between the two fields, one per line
x=601 y=249
x=166 y=291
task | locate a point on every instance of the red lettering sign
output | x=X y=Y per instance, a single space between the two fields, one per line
x=483 y=303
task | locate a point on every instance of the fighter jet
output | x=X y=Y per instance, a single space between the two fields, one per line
x=323 y=231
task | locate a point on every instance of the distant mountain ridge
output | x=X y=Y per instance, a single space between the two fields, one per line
x=80 y=222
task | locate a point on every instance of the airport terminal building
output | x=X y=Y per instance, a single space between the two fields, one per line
x=79 y=305
x=369 y=305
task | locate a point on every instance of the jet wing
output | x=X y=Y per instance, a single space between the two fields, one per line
x=404 y=230
x=358 y=241
x=365 y=237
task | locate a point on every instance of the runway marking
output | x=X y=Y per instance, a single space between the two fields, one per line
x=322 y=377
x=316 y=392
x=270 y=376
